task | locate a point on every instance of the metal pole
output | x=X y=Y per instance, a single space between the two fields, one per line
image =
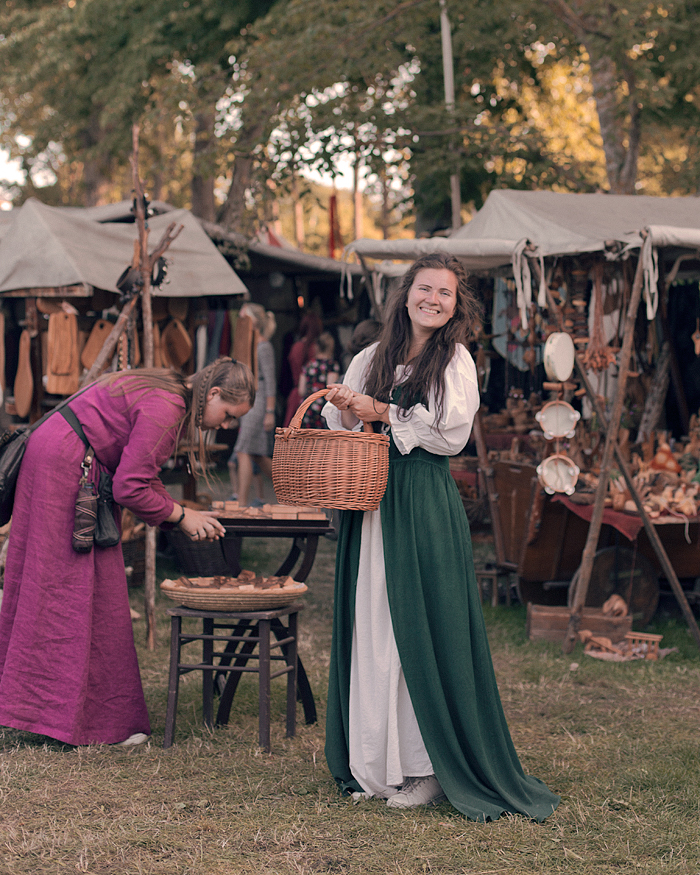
x=449 y=79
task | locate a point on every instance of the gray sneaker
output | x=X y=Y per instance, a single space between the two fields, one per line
x=417 y=791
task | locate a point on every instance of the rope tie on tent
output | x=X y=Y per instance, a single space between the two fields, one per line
x=523 y=250
x=650 y=267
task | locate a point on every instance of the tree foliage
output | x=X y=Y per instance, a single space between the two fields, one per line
x=568 y=94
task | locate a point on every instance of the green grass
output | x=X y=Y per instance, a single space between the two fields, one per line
x=618 y=742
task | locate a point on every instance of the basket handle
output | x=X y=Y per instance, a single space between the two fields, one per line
x=295 y=421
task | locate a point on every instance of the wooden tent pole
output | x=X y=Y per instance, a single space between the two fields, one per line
x=649 y=527
x=613 y=427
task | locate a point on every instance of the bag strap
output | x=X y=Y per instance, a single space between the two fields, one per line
x=74 y=423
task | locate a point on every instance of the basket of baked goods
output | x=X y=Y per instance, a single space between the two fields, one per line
x=347 y=470
x=247 y=592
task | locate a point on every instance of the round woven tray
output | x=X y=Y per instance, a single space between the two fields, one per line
x=204 y=599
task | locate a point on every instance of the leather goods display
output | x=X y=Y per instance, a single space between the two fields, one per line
x=175 y=344
x=178 y=308
x=245 y=344
x=63 y=366
x=100 y=332
x=24 y=381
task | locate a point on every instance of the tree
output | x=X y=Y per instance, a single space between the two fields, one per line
x=79 y=73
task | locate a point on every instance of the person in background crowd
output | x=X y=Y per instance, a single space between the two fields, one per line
x=68 y=666
x=257 y=428
x=317 y=374
x=302 y=352
x=414 y=714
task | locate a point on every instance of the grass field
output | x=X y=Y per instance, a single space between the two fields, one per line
x=618 y=742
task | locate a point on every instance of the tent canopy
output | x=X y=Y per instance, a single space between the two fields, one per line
x=48 y=247
x=553 y=223
x=560 y=223
x=513 y=226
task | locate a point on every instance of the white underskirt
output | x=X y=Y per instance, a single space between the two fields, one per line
x=385 y=742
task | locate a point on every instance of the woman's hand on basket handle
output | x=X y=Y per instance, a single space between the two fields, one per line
x=356 y=407
x=199 y=525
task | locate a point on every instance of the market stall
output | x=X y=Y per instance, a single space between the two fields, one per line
x=582 y=412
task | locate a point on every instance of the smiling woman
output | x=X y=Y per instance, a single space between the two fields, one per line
x=414 y=714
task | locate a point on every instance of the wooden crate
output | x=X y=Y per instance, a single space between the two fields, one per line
x=550 y=622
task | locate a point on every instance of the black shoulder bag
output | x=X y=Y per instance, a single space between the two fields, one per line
x=106 y=531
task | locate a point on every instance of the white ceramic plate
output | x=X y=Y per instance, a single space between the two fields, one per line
x=558 y=473
x=558 y=419
x=559 y=356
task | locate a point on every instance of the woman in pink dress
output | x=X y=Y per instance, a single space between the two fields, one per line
x=68 y=666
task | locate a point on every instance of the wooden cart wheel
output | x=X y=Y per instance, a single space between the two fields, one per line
x=619 y=571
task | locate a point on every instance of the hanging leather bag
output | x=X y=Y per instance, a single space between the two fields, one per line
x=105 y=532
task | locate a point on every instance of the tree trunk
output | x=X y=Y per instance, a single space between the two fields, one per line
x=233 y=210
x=203 y=204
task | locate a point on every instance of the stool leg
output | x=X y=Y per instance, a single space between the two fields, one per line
x=208 y=676
x=291 y=658
x=494 y=590
x=264 y=684
x=173 y=681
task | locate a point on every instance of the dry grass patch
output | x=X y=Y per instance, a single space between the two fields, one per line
x=617 y=741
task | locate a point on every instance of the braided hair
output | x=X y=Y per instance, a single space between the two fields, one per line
x=234 y=380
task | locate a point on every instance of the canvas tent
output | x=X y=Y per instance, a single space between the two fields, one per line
x=513 y=226
x=48 y=247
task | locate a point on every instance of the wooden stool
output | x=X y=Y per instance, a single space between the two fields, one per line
x=246 y=631
x=488 y=576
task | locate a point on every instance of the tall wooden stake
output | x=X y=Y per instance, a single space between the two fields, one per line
x=147 y=263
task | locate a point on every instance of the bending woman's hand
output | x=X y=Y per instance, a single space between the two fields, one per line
x=201 y=525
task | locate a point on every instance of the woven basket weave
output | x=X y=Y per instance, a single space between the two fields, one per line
x=342 y=469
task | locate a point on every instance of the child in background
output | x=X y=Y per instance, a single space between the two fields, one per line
x=316 y=375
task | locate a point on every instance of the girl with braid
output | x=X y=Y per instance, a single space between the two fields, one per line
x=68 y=666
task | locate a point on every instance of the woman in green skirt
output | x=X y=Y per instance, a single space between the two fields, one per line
x=414 y=715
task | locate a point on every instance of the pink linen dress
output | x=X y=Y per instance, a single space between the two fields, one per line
x=68 y=666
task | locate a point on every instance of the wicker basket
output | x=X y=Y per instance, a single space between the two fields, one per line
x=204 y=599
x=343 y=469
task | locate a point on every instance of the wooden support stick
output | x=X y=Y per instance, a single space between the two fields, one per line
x=108 y=347
x=491 y=493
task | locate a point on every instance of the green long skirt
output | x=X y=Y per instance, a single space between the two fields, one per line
x=441 y=639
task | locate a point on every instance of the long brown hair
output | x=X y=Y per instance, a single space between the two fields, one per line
x=234 y=379
x=427 y=372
